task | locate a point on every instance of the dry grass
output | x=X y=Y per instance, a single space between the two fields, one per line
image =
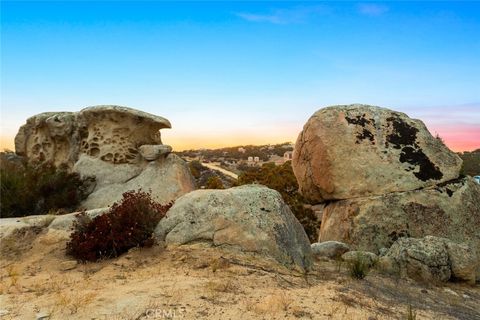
x=73 y=301
x=275 y=303
x=9 y=281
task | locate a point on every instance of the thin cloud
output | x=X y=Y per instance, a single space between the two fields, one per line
x=285 y=16
x=372 y=9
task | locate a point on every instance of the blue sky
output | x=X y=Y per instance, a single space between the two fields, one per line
x=227 y=73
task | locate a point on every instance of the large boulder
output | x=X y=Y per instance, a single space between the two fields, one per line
x=250 y=218
x=431 y=258
x=450 y=210
x=119 y=146
x=359 y=150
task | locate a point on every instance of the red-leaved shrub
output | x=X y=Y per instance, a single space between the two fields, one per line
x=129 y=223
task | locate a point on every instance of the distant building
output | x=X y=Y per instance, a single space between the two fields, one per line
x=288 y=156
x=241 y=150
x=253 y=161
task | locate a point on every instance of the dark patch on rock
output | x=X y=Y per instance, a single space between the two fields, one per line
x=449 y=192
x=460 y=180
x=365 y=134
x=360 y=120
x=404 y=137
x=402 y=133
x=428 y=170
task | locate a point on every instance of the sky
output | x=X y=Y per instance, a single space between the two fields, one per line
x=232 y=73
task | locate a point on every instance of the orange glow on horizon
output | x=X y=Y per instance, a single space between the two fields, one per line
x=456 y=140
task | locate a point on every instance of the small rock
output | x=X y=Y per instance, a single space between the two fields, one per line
x=68 y=265
x=382 y=251
x=329 y=249
x=42 y=316
x=3 y=312
x=448 y=290
x=151 y=152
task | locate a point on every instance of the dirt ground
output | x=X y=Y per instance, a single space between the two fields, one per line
x=201 y=282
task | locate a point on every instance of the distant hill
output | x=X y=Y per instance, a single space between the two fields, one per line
x=240 y=152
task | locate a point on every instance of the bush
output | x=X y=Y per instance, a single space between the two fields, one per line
x=358 y=267
x=196 y=168
x=214 y=182
x=129 y=223
x=37 y=188
x=282 y=179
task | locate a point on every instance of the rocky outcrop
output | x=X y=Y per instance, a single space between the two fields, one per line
x=119 y=146
x=359 y=150
x=450 y=210
x=431 y=258
x=110 y=133
x=382 y=176
x=250 y=218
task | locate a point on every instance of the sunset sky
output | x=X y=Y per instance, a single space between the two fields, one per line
x=230 y=73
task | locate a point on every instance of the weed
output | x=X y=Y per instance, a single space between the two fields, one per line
x=358 y=268
x=411 y=313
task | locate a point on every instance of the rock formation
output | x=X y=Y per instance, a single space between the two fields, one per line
x=450 y=210
x=120 y=146
x=383 y=176
x=251 y=218
x=111 y=133
x=431 y=258
x=358 y=150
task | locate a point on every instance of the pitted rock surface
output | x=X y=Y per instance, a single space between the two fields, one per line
x=109 y=133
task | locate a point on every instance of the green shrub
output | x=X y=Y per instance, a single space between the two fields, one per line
x=359 y=267
x=196 y=168
x=38 y=188
x=129 y=223
x=282 y=179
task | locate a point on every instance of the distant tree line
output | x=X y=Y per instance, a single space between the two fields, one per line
x=471 y=162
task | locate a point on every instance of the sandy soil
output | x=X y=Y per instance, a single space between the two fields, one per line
x=201 y=282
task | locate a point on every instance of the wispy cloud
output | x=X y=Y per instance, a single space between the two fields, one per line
x=285 y=16
x=372 y=9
